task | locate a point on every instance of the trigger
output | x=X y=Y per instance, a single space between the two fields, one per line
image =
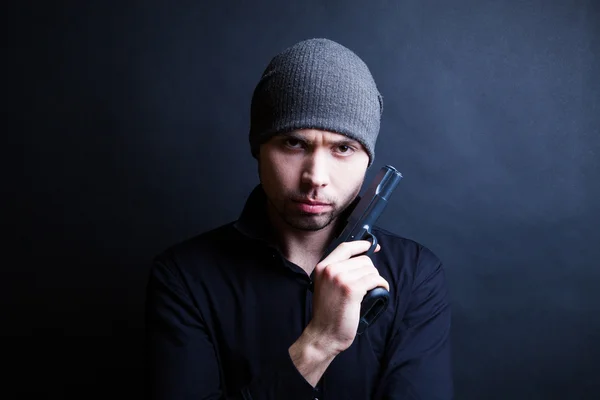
x=373 y=244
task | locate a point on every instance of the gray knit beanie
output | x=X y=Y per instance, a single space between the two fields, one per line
x=316 y=84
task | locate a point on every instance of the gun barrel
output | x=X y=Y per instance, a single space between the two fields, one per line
x=390 y=179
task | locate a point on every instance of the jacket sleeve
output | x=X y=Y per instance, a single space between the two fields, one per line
x=181 y=359
x=418 y=358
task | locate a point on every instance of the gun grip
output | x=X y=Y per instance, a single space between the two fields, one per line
x=374 y=303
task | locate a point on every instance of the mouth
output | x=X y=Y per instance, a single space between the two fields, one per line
x=311 y=206
x=312 y=202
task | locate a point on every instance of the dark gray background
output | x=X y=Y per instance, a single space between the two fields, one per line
x=127 y=131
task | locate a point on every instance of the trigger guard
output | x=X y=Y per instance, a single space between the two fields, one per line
x=373 y=244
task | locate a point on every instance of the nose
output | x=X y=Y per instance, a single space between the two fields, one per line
x=315 y=170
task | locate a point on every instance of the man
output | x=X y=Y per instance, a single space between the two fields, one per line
x=250 y=311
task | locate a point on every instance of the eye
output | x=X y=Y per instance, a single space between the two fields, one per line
x=345 y=149
x=293 y=143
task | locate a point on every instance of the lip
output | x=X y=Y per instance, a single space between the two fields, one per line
x=312 y=207
x=312 y=202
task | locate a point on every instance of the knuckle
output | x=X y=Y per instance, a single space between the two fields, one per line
x=374 y=276
x=329 y=272
x=346 y=289
x=367 y=260
x=338 y=280
x=344 y=245
x=376 y=279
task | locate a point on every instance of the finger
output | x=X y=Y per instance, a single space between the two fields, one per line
x=345 y=251
x=363 y=262
x=358 y=282
x=358 y=276
x=350 y=277
x=371 y=281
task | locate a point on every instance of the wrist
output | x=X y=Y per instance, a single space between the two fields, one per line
x=311 y=355
x=318 y=344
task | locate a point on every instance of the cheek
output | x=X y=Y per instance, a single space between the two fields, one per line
x=350 y=177
x=354 y=170
x=275 y=169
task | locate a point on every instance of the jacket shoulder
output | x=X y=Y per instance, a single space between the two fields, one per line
x=206 y=245
x=410 y=247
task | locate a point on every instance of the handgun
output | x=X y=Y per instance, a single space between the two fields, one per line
x=358 y=227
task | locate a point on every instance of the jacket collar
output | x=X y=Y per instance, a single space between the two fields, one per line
x=254 y=221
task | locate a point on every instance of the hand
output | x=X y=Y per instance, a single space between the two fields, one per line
x=342 y=280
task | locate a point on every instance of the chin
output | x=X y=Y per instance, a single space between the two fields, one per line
x=309 y=223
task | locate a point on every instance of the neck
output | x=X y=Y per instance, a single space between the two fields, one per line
x=303 y=248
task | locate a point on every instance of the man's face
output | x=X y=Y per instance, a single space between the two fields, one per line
x=310 y=176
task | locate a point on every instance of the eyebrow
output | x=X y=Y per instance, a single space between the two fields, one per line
x=301 y=138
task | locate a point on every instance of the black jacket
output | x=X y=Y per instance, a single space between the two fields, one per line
x=224 y=307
